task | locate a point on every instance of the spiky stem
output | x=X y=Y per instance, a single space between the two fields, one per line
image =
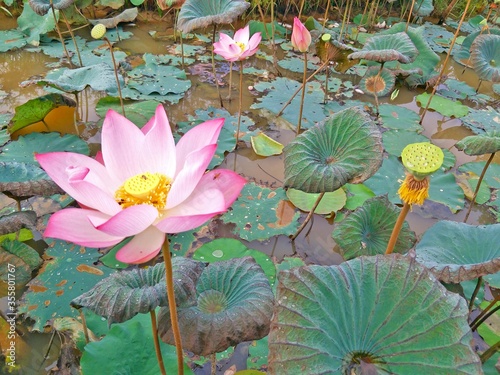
x=397 y=228
x=169 y=276
x=213 y=67
x=240 y=105
x=304 y=80
x=475 y=292
x=116 y=74
x=159 y=357
x=485 y=314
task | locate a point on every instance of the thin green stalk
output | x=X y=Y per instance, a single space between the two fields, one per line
x=485 y=314
x=309 y=216
x=481 y=177
x=491 y=350
x=304 y=80
x=60 y=35
x=169 y=276
x=116 y=74
x=240 y=105
x=397 y=228
x=72 y=37
x=475 y=292
x=213 y=68
x=159 y=357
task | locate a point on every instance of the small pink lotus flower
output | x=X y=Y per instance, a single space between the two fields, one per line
x=145 y=186
x=301 y=37
x=238 y=48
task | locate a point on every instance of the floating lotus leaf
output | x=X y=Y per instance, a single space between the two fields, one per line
x=485 y=57
x=486 y=143
x=124 y=294
x=367 y=230
x=41 y=7
x=378 y=81
x=331 y=320
x=382 y=48
x=463 y=54
x=234 y=303
x=346 y=148
x=195 y=14
x=456 y=252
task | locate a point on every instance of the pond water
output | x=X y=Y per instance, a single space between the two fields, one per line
x=315 y=244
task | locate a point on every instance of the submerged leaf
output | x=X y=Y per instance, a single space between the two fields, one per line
x=329 y=319
x=346 y=148
x=264 y=145
x=234 y=303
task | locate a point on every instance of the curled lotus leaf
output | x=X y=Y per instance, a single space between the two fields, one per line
x=125 y=294
x=485 y=57
x=331 y=320
x=346 y=148
x=234 y=303
x=195 y=14
x=383 y=48
x=367 y=230
x=481 y=144
x=378 y=81
x=41 y=7
x=457 y=252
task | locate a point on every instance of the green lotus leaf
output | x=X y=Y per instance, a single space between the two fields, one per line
x=447 y=107
x=41 y=7
x=481 y=120
x=346 y=148
x=486 y=143
x=456 y=252
x=234 y=303
x=14 y=221
x=399 y=118
x=464 y=53
x=330 y=320
x=24 y=180
x=367 y=230
x=378 y=81
x=264 y=145
x=383 y=48
x=195 y=14
x=23 y=257
x=332 y=201
x=423 y=8
x=485 y=57
x=125 y=294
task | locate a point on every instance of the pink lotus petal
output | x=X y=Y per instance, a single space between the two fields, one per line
x=242 y=35
x=143 y=247
x=128 y=222
x=190 y=174
x=227 y=48
x=159 y=145
x=65 y=169
x=198 y=137
x=178 y=224
x=73 y=225
x=301 y=37
x=121 y=144
x=229 y=183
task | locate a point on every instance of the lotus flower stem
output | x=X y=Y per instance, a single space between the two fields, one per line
x=213 y=67
x=60 y=35
x=475 y=292
x=445 y=63
x=84 y=325
x=172 y=305
x=116 y=74
x=485 y=314
x=304 y=81
x=409 y=15
x=309 y=216
x=240 y=105
x=230 y=81
x=213 y=361
x=72 y=37
x=301 y=8
x=159 y=357
x=325 y=17
x=489 y=352
x=397 y=228
x=301 y=87
x=481 y=177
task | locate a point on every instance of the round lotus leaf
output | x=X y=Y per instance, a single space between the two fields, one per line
x=485 y=57
x=346 y=148
x=41 y=7
x=124 y=294
x=422 y=159
x=486 y=143
x=378 y=81
x=367 y=230
x=456 y=252
x=383 y=48
x=195 y=14
x=234 y=303
x=387 y=314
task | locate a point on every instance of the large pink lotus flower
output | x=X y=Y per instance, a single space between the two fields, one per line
x=144 y=186
x=301 y=37
x=239 y=48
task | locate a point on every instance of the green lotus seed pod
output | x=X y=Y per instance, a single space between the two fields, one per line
x=326 y=37
x=422 y=159
x=98 y=31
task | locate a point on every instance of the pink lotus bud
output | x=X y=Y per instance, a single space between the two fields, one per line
x=301 y=37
